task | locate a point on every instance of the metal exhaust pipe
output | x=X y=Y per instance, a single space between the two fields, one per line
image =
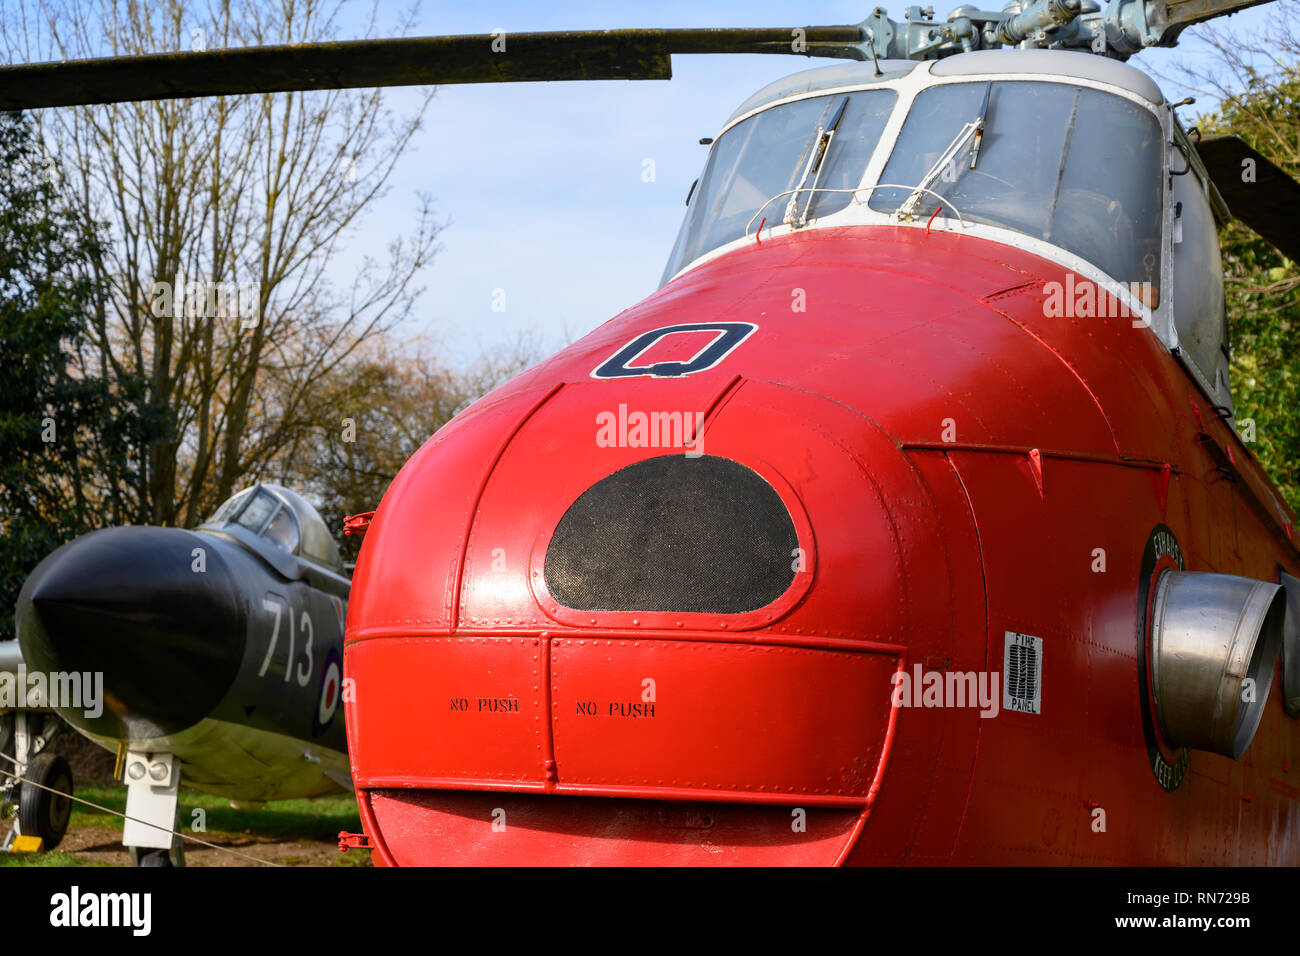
x=1215 y=639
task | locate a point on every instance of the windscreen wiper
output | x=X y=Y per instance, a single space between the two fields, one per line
x=975 y=128
x=816 y=162
x=979 y=126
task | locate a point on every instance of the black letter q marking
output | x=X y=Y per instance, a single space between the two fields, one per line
x=730 y=335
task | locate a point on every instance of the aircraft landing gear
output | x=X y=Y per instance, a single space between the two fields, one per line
x=153 y=784
x=40 y=812
x=143 y=857
x=24 y=735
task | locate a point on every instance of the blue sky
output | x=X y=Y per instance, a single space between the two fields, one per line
x=542 y=183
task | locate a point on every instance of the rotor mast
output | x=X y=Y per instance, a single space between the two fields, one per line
x=1123 y=28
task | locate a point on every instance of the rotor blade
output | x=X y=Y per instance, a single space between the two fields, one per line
x=1179 y=14
x=409 y=61
x=1257 y=192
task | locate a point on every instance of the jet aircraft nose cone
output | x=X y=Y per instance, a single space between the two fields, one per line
x=162 y=623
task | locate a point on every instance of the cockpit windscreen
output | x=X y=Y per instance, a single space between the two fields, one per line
x=1074 y=166
x=766 y=155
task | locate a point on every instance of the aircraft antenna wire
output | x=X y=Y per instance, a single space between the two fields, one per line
x=961 y=220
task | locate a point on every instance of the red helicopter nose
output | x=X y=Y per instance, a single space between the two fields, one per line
x=565 y=598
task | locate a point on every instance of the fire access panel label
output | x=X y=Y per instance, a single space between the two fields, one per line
x=723 y=717
x=1022 y=673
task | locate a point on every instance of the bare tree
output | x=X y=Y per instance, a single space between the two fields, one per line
x=227 y=216
x=1249 y=77
x=377 y=415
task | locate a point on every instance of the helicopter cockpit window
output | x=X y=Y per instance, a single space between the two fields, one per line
x=1075 y=167
x=767 y=154
x=1198 y=284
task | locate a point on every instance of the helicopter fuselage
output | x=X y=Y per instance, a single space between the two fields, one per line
x=889 y=601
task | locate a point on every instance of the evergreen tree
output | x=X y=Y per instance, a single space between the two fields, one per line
x=1256 y=80
x=60 y=431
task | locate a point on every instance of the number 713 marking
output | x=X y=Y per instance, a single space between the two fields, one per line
x=303 y=671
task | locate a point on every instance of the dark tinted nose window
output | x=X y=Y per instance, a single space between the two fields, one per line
x=674 y=534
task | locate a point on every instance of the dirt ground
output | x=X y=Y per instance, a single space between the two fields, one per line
x=103 y=846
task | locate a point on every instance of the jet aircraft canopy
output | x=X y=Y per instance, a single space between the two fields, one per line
x=282 y=517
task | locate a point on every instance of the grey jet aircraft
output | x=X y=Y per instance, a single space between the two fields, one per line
x=220 y=651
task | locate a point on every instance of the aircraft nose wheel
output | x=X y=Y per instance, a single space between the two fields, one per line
x=40 y=812
x=153 y=858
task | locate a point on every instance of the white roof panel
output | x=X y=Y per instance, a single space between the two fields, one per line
x=851 y=73
x=1066 y=64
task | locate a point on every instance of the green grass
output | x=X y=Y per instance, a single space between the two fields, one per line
x=353 y=857
x=318 y=819
x=57 y=858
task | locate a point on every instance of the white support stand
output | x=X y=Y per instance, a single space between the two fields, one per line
x=153 y=783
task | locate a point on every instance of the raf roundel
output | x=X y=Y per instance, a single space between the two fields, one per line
x=331 y=689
